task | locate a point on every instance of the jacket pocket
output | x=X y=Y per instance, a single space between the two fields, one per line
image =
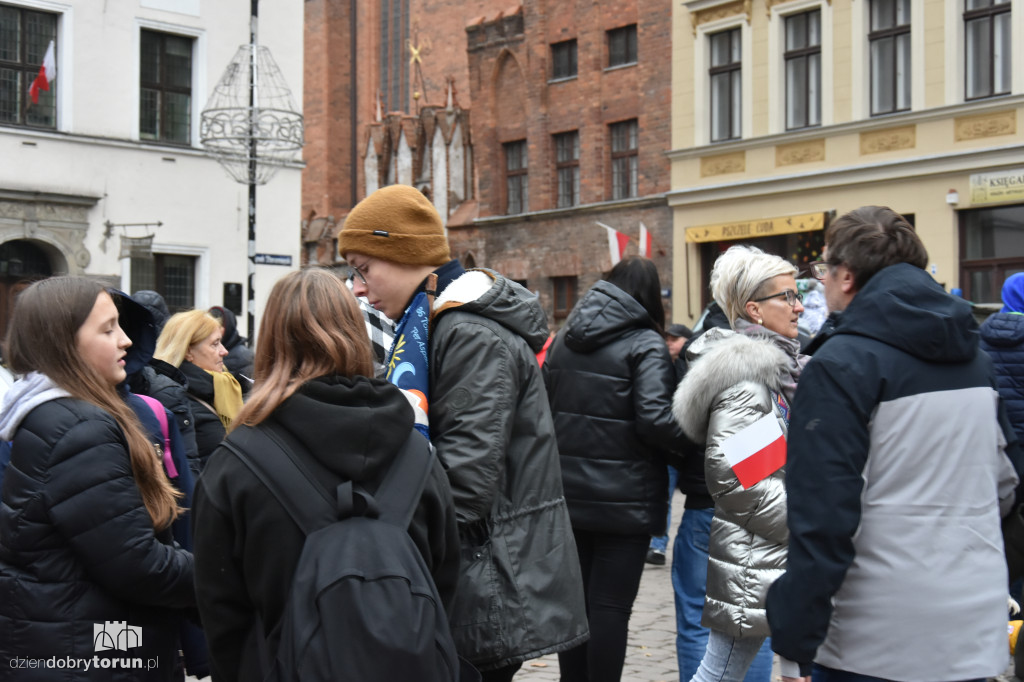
x=476 y=614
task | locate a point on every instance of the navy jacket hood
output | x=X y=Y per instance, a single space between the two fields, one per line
x=902 y=306
x=137 y=322
x=227 y=319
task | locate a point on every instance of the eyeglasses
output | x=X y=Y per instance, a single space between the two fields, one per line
x=791 y=297
x=818 y=268
x=358 y=271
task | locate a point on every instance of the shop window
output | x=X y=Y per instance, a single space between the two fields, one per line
x=26 y=36
x=725 y=74
x=516 y=180
x=803 y=70
x=890 y=56
x=991 y=249
x=567 y=168
x=165 y=94
x=622 y=46
x=171 y=275
x=624 y=159
x=563 y=295
x=988 y=49
x=563 y=59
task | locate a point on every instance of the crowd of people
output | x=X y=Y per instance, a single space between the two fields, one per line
x=844 y=493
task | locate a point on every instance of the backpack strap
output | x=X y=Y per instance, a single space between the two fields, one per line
x=161 y=416
x=400 y=491
x=283 y=478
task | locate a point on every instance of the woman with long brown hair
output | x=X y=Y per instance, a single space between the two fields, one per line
x=89 y=575
x=312 y=393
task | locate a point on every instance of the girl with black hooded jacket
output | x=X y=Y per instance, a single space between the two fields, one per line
x=312 y=384
x=90 y=579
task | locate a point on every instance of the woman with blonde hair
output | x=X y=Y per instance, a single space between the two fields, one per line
x=735 y=398
x=313 y=396
x=85 y=539
x=191 y=341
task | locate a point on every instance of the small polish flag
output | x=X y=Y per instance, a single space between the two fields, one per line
x=616 y=243
x=47 y=73
x=756 y=452
x=645 y=241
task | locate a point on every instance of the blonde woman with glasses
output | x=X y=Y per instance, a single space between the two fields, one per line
x=735 y=398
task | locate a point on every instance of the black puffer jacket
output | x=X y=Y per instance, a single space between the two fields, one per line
x=168 y=384
x=610 y=380
x=208 y=427
x=78 y=550
x=247 y=546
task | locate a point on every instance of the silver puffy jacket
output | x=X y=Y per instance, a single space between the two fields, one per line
x=728 y=387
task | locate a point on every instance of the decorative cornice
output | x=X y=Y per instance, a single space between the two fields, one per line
x=949 y=163
x=877 y=123
x=698 y=17
x=888 y=140
x=768 y=4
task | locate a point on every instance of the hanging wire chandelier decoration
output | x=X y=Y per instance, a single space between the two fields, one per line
x=250 y=123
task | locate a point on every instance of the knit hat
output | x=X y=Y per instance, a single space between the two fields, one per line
x=396 y=224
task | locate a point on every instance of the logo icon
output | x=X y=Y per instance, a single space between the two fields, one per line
x=115 y=634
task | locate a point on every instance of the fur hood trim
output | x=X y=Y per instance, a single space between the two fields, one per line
x=720 y=359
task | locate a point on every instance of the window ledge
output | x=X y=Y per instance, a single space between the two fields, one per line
x=565 y=79
x=619 y=67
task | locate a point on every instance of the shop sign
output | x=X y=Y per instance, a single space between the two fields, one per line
x=752 y=229
x=997 y=188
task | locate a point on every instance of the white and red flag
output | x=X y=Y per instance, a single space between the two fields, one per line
x=616 y=243
x=756 y=452
x=645 y=241
x=47 y=73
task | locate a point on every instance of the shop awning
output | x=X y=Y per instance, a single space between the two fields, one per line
x=760 y=227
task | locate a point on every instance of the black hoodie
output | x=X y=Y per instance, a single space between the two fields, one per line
x=239 y=360
x=247 y=545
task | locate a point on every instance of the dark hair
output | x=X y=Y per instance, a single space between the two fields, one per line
x=311 y=327
x=870 y=238
x=43 y=337
x=639 y=278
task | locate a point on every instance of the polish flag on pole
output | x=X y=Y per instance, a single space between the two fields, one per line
x=645 y=241
x=756 y=452
x=47 y=72
x=616 y=243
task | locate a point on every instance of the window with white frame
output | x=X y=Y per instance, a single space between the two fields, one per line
x=988 y=49
x=28 y=41
x=165 y=95
x=889 y=39
x=725 y=74
x=803 y=70
x=173 y=276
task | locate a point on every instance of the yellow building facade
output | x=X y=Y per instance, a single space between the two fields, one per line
x=786 y=115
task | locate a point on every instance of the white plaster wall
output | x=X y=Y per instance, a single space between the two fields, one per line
x=98 y=153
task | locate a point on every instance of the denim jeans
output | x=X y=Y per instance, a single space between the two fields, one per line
x=689 y=581
x=823 y=674
x=728 y=659
x=660 y=542
x=612 y=566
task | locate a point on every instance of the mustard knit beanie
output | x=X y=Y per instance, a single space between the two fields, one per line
x=396 y=224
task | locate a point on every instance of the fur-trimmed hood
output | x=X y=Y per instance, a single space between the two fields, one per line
x=719 y=360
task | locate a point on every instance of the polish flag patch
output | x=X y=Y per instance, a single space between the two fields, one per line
x=756 y=452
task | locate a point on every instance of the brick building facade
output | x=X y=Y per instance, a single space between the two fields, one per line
x=448 y=96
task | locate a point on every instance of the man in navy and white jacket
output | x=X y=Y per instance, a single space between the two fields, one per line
x=897 y=477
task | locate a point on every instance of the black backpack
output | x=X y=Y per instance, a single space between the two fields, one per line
x=363 y=605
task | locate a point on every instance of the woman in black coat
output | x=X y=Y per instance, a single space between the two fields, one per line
x=311 y=385
x=610 y=379
x=91 y=584
x=192 y=342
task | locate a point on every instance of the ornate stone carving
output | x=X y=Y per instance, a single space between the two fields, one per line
x=732 y=9
x=768 y=4
x=985 y=125
x=735 y=162
x=800 y=152
x=888 y=140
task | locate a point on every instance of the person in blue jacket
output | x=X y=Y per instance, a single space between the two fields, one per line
x=1002 y=337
